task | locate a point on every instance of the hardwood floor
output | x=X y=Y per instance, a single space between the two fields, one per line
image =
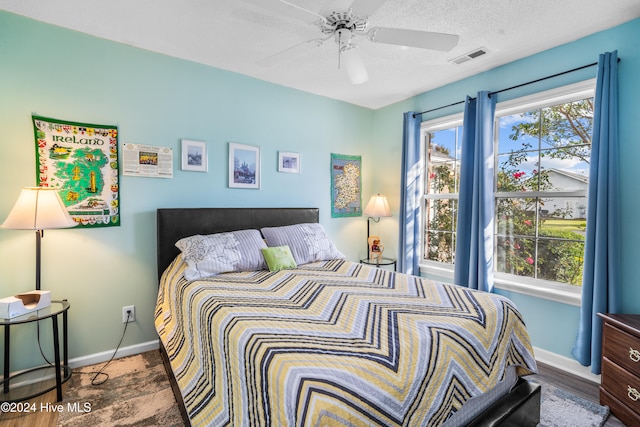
x=576 y=385
x=35 y=418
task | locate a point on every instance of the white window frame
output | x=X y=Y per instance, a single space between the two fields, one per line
x=554 y=291
x=443 y=123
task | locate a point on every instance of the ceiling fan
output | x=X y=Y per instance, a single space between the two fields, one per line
x=345 y=26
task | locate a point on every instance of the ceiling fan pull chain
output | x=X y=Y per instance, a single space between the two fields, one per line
x=341 y=47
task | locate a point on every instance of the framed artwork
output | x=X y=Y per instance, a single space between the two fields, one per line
x=81 y=161
x=346 y=185
x=288 y=162
x=194 y=155
x=244 y=166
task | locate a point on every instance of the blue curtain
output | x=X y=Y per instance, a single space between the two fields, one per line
x=474 y=241
x=411 y=194
x=601 y=281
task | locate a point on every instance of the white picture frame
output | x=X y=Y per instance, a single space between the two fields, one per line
x=288 y=162
x=194 y=155
x=244 y=166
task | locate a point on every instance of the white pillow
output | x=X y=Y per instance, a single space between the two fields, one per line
x=209 y=255
x=308 y=242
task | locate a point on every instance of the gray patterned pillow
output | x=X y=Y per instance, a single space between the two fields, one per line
x=209 y=255
x=308 y=242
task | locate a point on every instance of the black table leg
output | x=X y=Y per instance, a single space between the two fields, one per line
x=6 y=359
x=65 y=341
x=56 y=349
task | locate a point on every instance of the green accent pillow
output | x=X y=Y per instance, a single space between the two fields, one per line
x=279 y=258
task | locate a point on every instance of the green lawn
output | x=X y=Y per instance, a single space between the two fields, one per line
x=575 y=225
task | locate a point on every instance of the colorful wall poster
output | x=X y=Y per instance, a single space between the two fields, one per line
x=346 y=185
x=81 y=161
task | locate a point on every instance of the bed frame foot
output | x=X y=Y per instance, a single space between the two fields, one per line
x=520 y=408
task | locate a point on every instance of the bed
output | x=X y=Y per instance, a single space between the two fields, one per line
x=328 y=341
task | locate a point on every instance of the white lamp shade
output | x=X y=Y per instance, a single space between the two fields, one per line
x=38 y=208
x=355 y=65
x=377 y=207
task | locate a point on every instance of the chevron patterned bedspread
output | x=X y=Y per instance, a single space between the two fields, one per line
x=333 y=343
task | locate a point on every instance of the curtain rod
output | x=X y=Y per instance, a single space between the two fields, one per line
x=513 y=87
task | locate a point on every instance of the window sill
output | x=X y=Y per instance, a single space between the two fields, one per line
x=565 y=294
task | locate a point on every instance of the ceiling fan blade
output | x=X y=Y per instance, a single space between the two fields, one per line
x=366 y=8
x=353 y=63
x=288 y=8
x=302 y=12
x=413 y=38
x=290 y=52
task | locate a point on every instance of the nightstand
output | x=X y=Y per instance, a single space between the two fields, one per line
x=46 y=377
x=620 y=381
x=378 y=263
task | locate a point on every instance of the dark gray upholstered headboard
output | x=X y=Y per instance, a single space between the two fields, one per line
x=175 y=223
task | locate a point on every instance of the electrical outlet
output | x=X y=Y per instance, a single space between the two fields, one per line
x=132 y=315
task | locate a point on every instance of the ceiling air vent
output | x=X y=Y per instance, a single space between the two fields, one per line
x=469 y=55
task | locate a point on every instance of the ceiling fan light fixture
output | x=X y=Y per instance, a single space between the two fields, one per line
x=354 y=65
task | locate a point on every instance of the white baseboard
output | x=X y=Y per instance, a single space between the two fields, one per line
x=104 y=356
x=566 y=364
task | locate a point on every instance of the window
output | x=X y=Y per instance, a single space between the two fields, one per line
x=542 y=152
x=443 y=143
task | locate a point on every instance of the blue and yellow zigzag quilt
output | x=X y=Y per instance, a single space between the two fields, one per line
x=333 y=343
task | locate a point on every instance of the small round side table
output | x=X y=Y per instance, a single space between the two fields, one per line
x=62 y=371
x=378 y=263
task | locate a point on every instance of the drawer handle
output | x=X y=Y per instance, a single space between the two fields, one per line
x=634 y=355
x=633 y=393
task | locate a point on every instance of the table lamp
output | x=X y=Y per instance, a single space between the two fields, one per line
x=39 y=209
x=376 y=208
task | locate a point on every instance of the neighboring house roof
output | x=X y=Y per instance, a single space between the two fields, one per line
x=578 y=177
x=438 y=156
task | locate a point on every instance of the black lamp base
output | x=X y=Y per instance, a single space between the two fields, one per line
x=39 y=234
x=368 y=232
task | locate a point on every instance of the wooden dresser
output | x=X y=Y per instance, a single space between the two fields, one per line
x=620 y=381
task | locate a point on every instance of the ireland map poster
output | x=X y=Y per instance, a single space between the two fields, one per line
x=346 y=187
x=81 y=161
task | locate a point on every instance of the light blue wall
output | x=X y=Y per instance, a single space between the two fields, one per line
x=155 y=100
x=552 y=326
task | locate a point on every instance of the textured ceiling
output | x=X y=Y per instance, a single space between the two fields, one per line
x=236 y=34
